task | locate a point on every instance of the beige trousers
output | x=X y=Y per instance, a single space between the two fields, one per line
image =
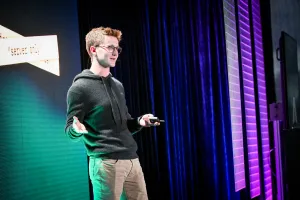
x=112 y=179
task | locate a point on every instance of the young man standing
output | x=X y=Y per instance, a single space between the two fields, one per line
x=98 y=114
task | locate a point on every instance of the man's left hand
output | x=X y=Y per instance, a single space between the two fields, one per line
x=145 y=122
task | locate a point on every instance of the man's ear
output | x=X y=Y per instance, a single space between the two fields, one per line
x=93 y=50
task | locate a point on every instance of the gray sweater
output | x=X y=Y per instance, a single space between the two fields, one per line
x=99 y=103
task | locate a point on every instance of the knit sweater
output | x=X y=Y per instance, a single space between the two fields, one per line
x=99 y=103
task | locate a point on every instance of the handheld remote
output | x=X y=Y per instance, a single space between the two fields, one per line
x=155 y=119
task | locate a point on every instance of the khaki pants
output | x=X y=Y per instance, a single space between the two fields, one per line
x=110 y=178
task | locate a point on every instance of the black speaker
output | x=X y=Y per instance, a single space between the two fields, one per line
x=290 y=81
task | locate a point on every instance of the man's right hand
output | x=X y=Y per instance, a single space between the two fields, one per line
x=78 y=127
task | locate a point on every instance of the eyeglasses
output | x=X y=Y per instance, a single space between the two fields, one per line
x=111 y=48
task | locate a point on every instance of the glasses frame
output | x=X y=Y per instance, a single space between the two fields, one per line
x=110 y=48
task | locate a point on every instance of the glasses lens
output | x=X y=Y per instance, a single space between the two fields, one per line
x=119 y=50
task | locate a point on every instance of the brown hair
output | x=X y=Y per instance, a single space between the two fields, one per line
x=96 y=36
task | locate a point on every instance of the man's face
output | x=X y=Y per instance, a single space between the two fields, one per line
x=107 y=52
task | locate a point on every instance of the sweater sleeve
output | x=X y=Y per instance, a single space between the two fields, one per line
x=75 y=107
x=133 y=124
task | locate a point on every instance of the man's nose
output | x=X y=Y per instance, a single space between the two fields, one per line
x=115 y=52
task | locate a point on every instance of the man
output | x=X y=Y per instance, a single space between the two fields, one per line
x=98 y=114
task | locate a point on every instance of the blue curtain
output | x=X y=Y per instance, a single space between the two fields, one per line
x=173 y=65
